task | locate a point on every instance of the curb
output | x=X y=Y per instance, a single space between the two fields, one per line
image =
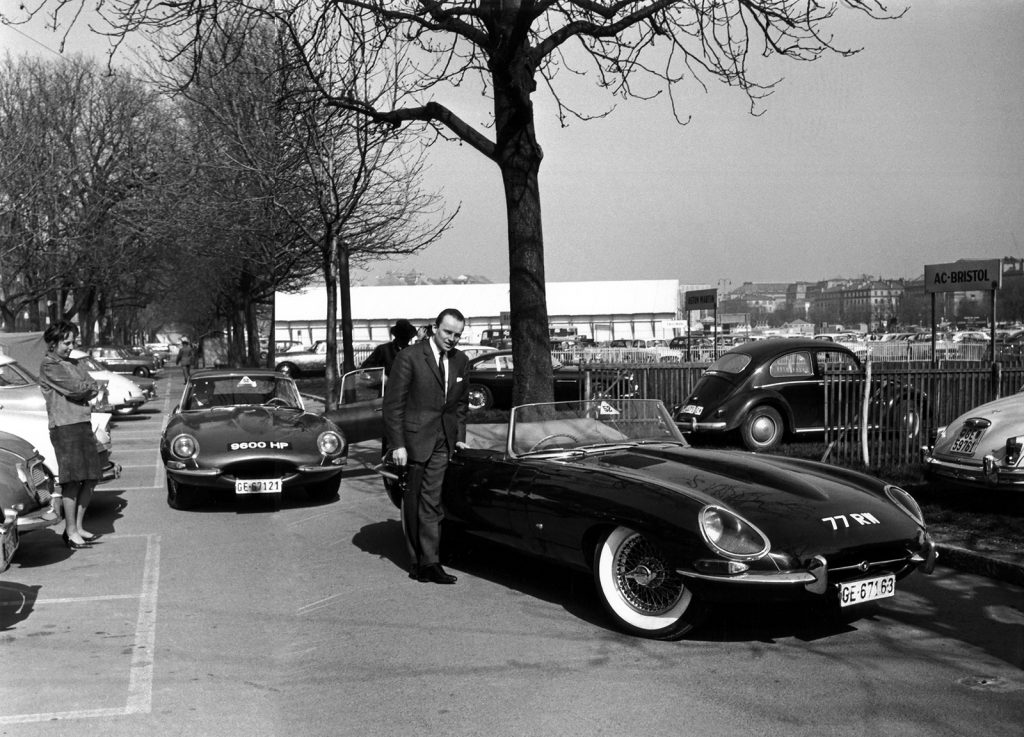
x=972 y=562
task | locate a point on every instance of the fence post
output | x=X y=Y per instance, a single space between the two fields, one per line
x=997 y=379
x=865 y=402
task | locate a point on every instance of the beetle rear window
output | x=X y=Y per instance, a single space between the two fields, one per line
x=730 y=363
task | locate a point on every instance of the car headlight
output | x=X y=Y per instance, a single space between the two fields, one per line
x=732 y=536
x=904 y=501
x=184 y=446
x=329 y=443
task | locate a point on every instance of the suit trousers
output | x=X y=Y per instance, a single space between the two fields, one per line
x=421 y=505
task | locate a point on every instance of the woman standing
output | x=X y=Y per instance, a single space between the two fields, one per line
x=67 y=388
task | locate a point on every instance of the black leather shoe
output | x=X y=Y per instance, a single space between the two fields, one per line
x=416 y=574
x=436 y=574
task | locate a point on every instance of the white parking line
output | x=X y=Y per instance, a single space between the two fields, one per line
x=140 y=669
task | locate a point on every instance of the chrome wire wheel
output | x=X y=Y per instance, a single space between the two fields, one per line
x=640 y=589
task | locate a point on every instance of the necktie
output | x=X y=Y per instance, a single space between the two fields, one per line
x=440 y=365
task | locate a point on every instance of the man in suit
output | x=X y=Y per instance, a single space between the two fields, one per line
x=425 y=407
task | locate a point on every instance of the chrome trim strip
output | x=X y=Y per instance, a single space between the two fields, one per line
x=784 y=578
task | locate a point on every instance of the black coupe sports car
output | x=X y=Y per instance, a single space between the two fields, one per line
x=491 y=381
x=246 y=431
x=611 y=487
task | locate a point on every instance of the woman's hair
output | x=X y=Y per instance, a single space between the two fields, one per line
x=56 y=332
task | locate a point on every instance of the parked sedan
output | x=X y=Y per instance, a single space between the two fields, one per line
x=763 y=390
x=125 y=396
x=26 y=487
x=246 y=432
x=981 y=447
x=491 y=381
x=120 y=360
x=611 y=487
x=307 y=362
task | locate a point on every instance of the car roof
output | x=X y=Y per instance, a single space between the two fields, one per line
x=760 y=349
x=224 y=373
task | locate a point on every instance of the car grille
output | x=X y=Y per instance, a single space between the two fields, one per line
x=892 y=557
x=260 y=469
x=40 y=480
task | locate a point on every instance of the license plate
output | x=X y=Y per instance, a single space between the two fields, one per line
x=967 y=442
x=869 y=589
x=258 y=486
x=693 y=409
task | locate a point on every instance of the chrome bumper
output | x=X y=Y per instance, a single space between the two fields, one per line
x=815 y=577
x=692 y=425
x=989 y=473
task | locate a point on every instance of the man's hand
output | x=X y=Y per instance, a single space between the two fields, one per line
x=400 y=457
x=460 y=445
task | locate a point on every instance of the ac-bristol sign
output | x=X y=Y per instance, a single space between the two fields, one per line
x=963 y=276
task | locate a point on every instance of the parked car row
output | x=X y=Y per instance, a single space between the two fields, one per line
x=29 y=471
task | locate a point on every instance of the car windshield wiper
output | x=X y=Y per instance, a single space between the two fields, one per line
x=553 y=452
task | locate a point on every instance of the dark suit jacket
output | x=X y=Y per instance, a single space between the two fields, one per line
x=416 y=411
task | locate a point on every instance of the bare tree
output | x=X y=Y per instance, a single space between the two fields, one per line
x=349 y=189
x=395 y=61
x=78 y=171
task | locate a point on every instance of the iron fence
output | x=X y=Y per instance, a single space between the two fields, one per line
x=901 y=404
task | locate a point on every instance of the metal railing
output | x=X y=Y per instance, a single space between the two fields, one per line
x=906 y=403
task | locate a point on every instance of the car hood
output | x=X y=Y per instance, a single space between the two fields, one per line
x=801 y=505
x=1000 y=419
x=218 y=427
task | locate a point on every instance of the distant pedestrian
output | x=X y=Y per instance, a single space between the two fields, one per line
x=402 y=333
x=67 y=388
x=186 y=357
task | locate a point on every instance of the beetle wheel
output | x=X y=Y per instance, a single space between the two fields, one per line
x=640 y=590
x=546 y=438
x=287 y=369
x=141 y=371
x=480 y=397
x=762 y=428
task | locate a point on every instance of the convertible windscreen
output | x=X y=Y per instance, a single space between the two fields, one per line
x=566 y=426
x=234 y=390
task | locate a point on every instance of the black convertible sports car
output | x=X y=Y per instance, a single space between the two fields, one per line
x=246 y=431
x=610 y=486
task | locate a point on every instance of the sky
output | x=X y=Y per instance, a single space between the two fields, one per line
x=908 y=153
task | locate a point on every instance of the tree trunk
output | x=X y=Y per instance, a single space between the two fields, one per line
x=331 y=277
x=345 y=290
x=518 y=156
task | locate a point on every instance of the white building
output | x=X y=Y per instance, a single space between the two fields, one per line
x=602 y=310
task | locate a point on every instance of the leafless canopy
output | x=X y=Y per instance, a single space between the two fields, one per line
x=631 y=48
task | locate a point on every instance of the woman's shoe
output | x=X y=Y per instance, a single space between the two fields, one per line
x=90 y=538
x=72 y=544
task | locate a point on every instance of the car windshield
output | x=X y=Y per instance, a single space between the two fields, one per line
x=730 y=363
x=90 y=363
x=590 y=424
x=230 y=391
x=11 y=374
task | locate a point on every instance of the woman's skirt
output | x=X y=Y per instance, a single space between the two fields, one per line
x=77 y=453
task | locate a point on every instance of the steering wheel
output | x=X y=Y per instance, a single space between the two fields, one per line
x=277 y=402
x=546 y=438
